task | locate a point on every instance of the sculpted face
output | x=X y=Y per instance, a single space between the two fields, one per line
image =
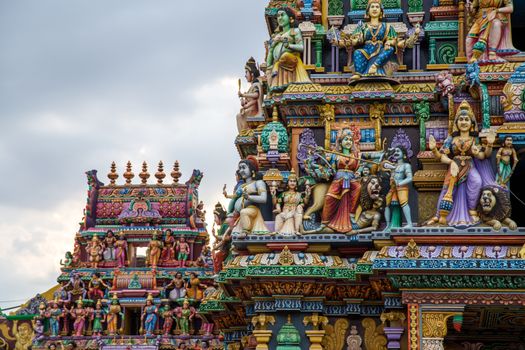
x=244 y=171
x=282 y=18
x=487 y=201
x=366 y=171
x=248 y=75
x=508 y=142
x=347 y=142
x=374 y=188
x=292 y=183
x=374 y=11
x=378 y=203
x=464 y=122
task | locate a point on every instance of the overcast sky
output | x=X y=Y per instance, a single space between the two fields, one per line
x=86 y=82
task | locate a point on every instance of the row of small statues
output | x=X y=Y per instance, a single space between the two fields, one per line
x=374 y=44
x=180 y=345
x=167 y=250
x=107 y=318
x=349 y=196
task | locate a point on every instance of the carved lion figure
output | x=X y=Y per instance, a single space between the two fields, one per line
x=494 y=207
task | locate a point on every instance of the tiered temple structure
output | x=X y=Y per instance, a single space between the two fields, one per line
x=376 y=205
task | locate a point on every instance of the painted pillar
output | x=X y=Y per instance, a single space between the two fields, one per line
x=434 y=325
x=318 y=53
x=432 y=46
x=461 y=57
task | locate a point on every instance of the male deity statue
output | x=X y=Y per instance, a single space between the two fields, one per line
x=400 y=179
x=251 y=100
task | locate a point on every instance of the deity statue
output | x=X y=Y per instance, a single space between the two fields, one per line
x=183 y=251
x=223 y=239
x=98 y=317
x=149 y=316
x=375 y=42
x=283 y=61
x=79 y=314
x=68 y=260
x=504 y=163
x=109 y=246
x=289 y=207
x=194 y=288
x=400 y=179
x=468 y=170
x=154 y=251
x=251 y=100
x=371 y=203
x=167 y=314
x=342 y=199
x=61 y=294
x=185 y=315
x=121 y=250
x=205 y=258
x=445 y=83
x=489 y=38
x=247 y=217
x=96 y=287
x=168 y=252
x=38 y=328
x=54 y=314
x=179 y=287
x=95 y=250
x=76 y=286
x=114 y=311
x=76 y=252
x=24 y=335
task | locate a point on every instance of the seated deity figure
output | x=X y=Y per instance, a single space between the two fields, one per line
x=283 y=61
x=251 y=100
x=247 y=217
x=468 y=171
x=489 y=37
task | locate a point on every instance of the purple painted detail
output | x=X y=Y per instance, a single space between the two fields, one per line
x=496 y=252
x=463 y=252
x=430 y=252
x=401 y=139
x=396 y=252
x=393 y=335
x=440 y=134
x=306 y=140
x=514 y=116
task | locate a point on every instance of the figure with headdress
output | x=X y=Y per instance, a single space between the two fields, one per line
x=79 y=314
x=95 y=250
x=506 y=161
x=283 y=61
x=114 y=311
x=247 y=217
x=222 y=244
x=154 y=251
x=251 y=100
x=185 y=315
x=121 y=250
x=468 y=170
x=54 y=314
x=109 y=246
x=149 y=316
x=98 y=317
x=167 y=314
x=489 y=38
x=342 y=198
x=400 y=179
x=183 y=251
x=168 y=252
x=289 y=207
x=96 y=287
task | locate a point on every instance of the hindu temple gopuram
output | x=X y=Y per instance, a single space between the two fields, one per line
x=378 y=200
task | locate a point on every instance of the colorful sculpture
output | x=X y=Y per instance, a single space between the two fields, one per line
x=489 y=38
x=506 y=161
x=183 y=251
x=98 y=317
x=283 y=61
x=154 y=251
x=168 y=252
x=494 y=207
x=194 y=289
x=222 y=244
x=121 y=250
x=114 y=311
x=185 y=315
x=149 y=316
x=109 y=246
x=371 y=204
x=251 y=100
x=54 y=315
x=467 y=173
x=400 y=180
x=95 y=250
x=79 y=314
x=179 y=287
x=167 y=314
x=96 y=287
x=289 y=207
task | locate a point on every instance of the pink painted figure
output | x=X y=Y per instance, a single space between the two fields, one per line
x=444 y=83
x=168 y=252
x=489 y=37
x=79 y=314
x=183 y=251
x=121 y=250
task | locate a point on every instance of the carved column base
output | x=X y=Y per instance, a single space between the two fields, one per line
x=316 y=337
x=432 y=344
x=393 y=335
x=263 y=337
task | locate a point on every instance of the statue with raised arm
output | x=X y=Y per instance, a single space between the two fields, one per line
x=251 y=100
x=400 y=179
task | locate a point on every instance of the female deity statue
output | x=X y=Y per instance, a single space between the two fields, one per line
x=98 y=317
x=109 y=246
x=183 y=251
x=179 y=287
x=505 y=164
x=251 y=100
x=154 y=251
x=79 y=314
x=374 y=42
x=113 y=313
x=342 y=199
x=489 y=37
x=289 y=208
x=185 y=315
x=168 y=252
x=121 y=250
x=247 y=215
x=467 y=171
x=167 y=314
x=54 y=315
x=194 y=289
x=283 y=61
x=95 y=251
x=149 y=316
x=223 y=239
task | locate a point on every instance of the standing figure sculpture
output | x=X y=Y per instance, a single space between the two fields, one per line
x=96 y=287
x=95 y=250
x=167 y=314
x=114 y=311
x=154 y=251
x=183 y=251
x=289 y=208
x=79 y=314
x=98 y=317
x=505 y=164
x=400 y=180
x=374 y=42
x=168 y=252
x=149 y=316
x=283 y=61
x=109 y=246
x=55 y=313
x=185 y=315
x=489 y=37
x=342 y=199
x=468 y=170
x=251 y=100
x=223 y=239
x=179 y=287
x=247 y=217
x=121 y=250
